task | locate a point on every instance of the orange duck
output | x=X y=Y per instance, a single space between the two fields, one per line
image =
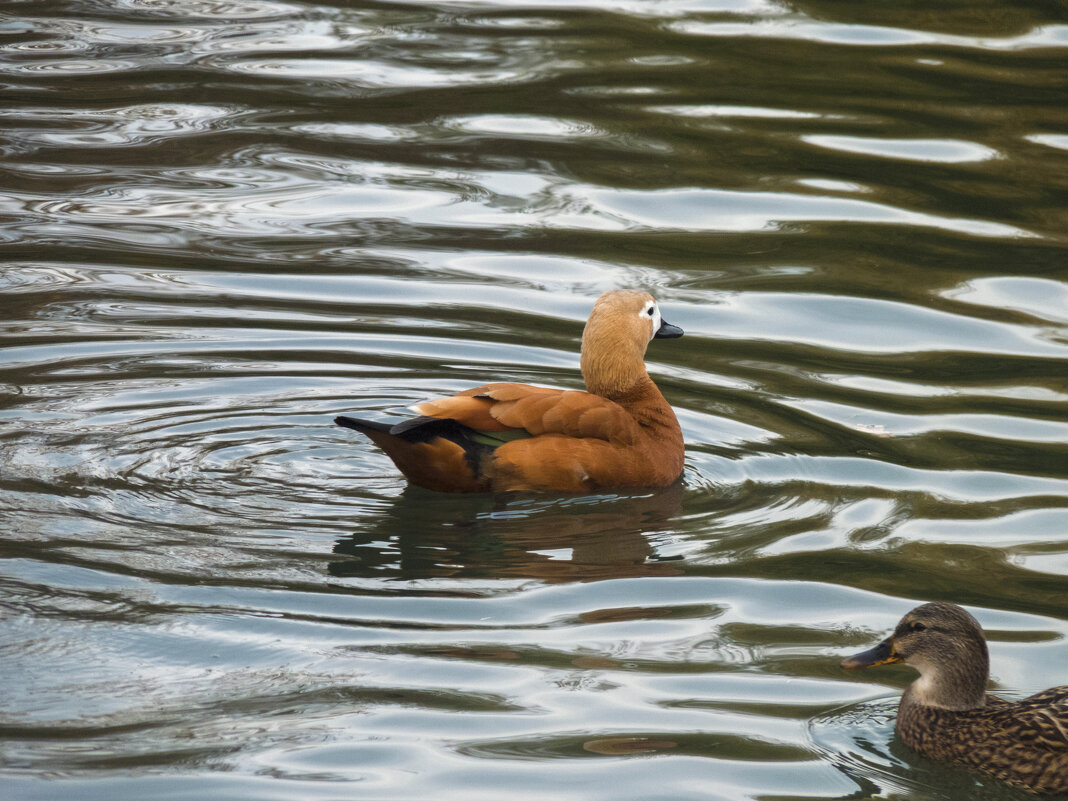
x=501 y=437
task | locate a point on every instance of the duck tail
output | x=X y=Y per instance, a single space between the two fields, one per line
x=431 y=453
x=363 y=426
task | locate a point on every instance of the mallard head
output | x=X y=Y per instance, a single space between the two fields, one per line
x=946 y=645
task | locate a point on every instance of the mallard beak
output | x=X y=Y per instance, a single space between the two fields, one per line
x=881 y=654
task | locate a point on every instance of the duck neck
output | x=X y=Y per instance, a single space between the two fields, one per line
x=957 y=684
x=614 y=370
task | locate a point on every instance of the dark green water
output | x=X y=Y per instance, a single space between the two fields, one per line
x=222 y=223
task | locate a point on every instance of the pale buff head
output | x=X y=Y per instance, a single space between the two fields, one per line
x=617 y=333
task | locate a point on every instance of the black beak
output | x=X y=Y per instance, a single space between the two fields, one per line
x=667 y=331
x=881 y=654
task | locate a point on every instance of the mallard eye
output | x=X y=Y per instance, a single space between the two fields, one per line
x=919 y=627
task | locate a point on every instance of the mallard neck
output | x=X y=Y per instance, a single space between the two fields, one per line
x=956 y=683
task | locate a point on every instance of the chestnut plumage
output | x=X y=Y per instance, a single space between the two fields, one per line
x=500 y=437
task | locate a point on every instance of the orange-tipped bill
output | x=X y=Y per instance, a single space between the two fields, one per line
x=881 y=654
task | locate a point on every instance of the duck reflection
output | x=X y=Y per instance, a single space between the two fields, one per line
x=582 y=538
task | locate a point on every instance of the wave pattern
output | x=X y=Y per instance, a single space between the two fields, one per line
x=225 y=221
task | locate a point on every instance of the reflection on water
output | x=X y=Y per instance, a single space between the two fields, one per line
x=587 y=538
x=226 y=221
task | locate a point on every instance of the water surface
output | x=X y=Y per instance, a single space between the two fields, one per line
x=225 y=222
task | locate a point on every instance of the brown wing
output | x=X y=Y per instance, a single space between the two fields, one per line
x=463 y=408
x=1043 y=719
x=538 y=410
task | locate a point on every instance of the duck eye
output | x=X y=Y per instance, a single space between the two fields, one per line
x=918 y=627
x=649 y=311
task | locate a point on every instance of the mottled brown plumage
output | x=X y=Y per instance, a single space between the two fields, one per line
x=500 y=437
x=948 y=716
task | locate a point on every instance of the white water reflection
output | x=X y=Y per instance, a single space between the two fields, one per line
x=719 y=210
x=935 y=150
x=1047 y=36
x=1059 y=141
x=284 y=203
x=733 y=111
x=1043 y=298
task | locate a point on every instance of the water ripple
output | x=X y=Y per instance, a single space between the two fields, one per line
x=1043 y=37
x=227 y=221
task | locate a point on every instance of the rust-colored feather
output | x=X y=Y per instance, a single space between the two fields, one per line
x=440 y=465
x=463 y=408
x=508 y=436
x=537 y=410
x=541 y=410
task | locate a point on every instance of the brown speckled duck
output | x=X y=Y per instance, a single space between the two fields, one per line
x=504 y=436
x=947 y=715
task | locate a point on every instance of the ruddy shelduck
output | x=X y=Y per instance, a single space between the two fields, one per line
x=502 y=437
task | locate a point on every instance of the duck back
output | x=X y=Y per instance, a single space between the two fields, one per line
x=1022 y=743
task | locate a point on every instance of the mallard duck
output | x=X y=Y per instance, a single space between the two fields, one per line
x=500 y=437
x=947 y=715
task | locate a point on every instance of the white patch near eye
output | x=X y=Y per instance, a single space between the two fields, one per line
x=651 y=312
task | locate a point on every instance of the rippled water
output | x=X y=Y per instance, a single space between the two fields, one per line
x=224 y=222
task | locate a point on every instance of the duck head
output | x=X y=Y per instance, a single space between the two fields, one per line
x=622 y=324
x=946 y=645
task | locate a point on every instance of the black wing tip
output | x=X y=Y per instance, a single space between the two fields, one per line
x=424 y=429
x=362 y=426
x=416 y=422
